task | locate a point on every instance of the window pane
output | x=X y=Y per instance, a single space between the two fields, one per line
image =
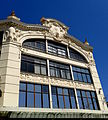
x=57 y=72
x=79 y=77
x=88 y=78
x=30 y=87
x=73 y=103
x=37 y=88
x=85 y=103
x=80 y=103
x=43 y=70
x=68 y=75
x=54 y=101
x=71 y=92
x=63 y=74
x=59 y=90
x=23 y=66
x=65 y=91
x=37 y=69
x=45 y=101
x=30 y=99
x=22 y=99
x=22 y=86
x=38 y=100
x=90 y=103
x=78 y=93
x=45 y=89
x=52 y=72
x=53 y=89
x=95 y=104
x=61 y=103
x=30 y=68
x=84 y=78
x=75 y=76
x=67 y=103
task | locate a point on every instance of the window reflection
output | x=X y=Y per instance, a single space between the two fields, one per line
x=34 y=95
x=63 y=98
x=81 y=74
x=87 y=100
x=59 y=70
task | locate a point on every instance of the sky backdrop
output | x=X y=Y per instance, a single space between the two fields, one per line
x=85 y=18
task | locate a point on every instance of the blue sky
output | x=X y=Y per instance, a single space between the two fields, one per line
x=86 y=18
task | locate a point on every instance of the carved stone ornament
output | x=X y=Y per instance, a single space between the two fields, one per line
x=56 y=28
x=11 y=34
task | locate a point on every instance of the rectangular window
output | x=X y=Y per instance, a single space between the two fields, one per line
x=33 y=95
x=63 y=98
x=57 y=49
x=81 y=74
x=33 y=65
x=59 y=70
x=87 y=100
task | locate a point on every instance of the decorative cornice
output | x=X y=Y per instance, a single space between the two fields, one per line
x=54 y=28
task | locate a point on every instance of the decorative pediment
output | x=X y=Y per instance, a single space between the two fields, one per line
x=56 y=28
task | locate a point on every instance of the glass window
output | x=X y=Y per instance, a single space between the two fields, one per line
x=30 y=99
x=22 y=99
x=37 y=95
x=81 y=74
x=57 y=49
x=76 y=55
x=45 y=101
x=38 y=100
x=35 y=44
x=87 y=100
x=33 y=65
x=59 y=70
x=63 y=98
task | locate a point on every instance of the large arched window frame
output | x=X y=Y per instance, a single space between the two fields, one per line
x=54 y=48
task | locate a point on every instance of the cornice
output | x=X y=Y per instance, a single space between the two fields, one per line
x=46 y=29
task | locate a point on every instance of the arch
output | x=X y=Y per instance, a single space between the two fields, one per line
x=26 y=37
x=78 y=53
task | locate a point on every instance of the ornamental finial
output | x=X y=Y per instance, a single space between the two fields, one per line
x=13 y=16
x=86 y=42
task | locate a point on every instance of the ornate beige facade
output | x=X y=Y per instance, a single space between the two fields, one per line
x=15 y=33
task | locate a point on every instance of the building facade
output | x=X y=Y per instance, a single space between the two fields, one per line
x=45 y=72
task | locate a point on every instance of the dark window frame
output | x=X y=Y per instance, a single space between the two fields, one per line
x=63 y=95
x=59 y=67
x=33 y=44
x=82 y=73
x=31 y=61
x=57 y=47
x=34 y=92
x=87 y=99
x=75 y=55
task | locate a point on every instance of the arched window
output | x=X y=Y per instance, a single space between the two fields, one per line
x=36 y=44
x=76 y=55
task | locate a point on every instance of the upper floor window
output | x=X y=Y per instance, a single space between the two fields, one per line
x=57 y=49
x=81 y=74
x=63 y=97
x=1 y=37
x=87 y=100
x=33 y=65
x=33 y=95
x=76 y=55
x=59 y=70
x=36 y=44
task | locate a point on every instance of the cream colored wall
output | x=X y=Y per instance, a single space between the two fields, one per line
x=11 y=77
